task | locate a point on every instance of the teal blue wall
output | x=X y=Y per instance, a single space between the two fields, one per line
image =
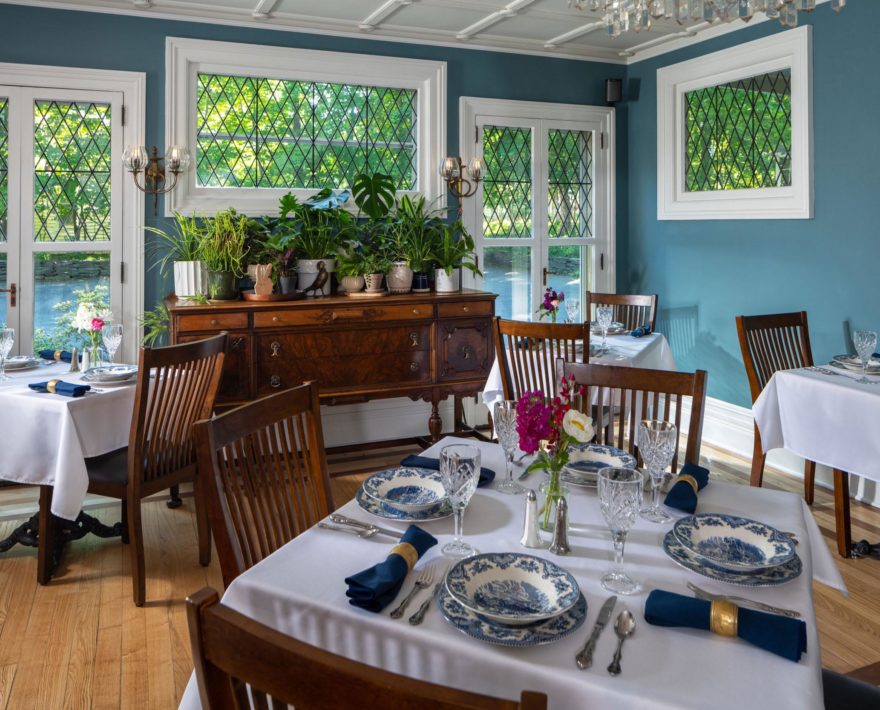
x=714 y=270
x=95 y=40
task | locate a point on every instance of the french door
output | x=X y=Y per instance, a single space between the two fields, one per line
x=60 y=210
x=543 y=216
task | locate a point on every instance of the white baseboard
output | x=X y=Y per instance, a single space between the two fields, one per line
x=380 y=420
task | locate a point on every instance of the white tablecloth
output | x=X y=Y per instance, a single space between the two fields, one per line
x=829 y=419
x=46 y=437
x=650 y=351
x=300 y=591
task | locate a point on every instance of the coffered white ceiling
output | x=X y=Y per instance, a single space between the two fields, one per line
x=524 y=26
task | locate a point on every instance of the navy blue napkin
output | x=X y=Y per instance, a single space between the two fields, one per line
x=641 y=330
x=62 y=355
x=375 y=588
x=778 y=634
x=65 y=388
x=487 y=475
x=682 y=495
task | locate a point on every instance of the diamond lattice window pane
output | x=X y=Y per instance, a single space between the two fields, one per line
x=507 y=187
x=297 y=134
x=739 y=134
x=570 y=194
x=71 y=171
x=4 y=166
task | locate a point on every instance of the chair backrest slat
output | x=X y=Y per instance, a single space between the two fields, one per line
x=769 y=343
x=633 y=310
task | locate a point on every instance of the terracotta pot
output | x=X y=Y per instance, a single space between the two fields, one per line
x=447 y=283
x=400 y=278
x=374 y=282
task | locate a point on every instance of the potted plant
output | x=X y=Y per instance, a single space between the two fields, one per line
x=452 y=251
x=415 y=230
x=278 y=251
x=180 y=248
x=258 y=233
x=350 y=267
x=222 y=248
x=374 y=196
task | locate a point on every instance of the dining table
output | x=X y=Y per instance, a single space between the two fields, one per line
x=825 y=414
x=300 y=591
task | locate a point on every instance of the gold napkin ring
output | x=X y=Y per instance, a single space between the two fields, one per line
x=690 y=480
x=723 y=617
x=407 y=552
x=57 y=355
x=50 y=386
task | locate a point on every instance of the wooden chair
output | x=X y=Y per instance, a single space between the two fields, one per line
x=630 y=309
x=233 y=654
x=632 y=394
x=769 y=343
x=527 y=353
x=264 y=473
x=160 y=450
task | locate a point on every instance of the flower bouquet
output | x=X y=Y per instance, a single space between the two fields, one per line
x=551 y=304
x=548 y=429
x=89 y=319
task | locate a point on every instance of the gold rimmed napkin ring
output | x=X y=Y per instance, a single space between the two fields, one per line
x=723 y=617
x=50 y=386
x=690 y=480
x=407 y=552
x=57 y=355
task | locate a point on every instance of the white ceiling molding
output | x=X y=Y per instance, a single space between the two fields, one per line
x=143 y=4
x=263 y=9
x=383 y=12
x=509 y=10
x=572 y=34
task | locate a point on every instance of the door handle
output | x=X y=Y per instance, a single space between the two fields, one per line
x=12 y=291
x=546 y=272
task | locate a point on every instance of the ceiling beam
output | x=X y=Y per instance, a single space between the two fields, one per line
x=264 y=9
x=381 y=13
x=691 y=31
x=142 y=4
x=572 y=34
x=509 y=10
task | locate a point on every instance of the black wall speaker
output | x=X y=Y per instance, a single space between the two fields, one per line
x=613 y=90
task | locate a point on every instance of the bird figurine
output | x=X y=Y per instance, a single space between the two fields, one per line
x=318 y=286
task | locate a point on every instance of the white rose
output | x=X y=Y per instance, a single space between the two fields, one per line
x=578 y=426
x=83 y=318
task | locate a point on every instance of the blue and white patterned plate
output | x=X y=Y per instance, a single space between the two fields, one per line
x=769 y=577
x=379 y=509
x=734 y=543
x=586 y=460
x=536 y=634
x=411 y=490
x=512 y=588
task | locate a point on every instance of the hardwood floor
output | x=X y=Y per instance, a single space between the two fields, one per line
x=81 y=643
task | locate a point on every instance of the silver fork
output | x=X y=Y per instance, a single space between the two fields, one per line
x=365 y=533
x=423 y=581
x=742 y=601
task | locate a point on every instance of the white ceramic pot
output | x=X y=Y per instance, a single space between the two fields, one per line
x=313 y=276
x=400 y=278
x=352 y=283
x=447 y=283
x=374 y=282
x=190 y=279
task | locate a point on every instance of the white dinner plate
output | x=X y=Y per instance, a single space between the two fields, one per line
x=21 y=362
x=108 y=374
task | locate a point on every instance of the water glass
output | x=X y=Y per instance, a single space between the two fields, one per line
x=111 y=333
x=604 y=315
x=620 y=495
x=504 y=419
x=573 y=310
x=865 y=342
x=7 y=338
x=657 y=441
x=460 y=472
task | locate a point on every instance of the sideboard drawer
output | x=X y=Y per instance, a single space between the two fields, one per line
x=341 y=315
x=465 y=349
x=465 y=308
x=212 y=321
x=351 y=342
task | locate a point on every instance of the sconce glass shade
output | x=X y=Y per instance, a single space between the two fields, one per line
x=135 y=158
x=177 y=158
x=449 y=168
x=476 y=169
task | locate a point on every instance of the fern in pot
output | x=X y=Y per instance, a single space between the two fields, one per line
x=416 y=231
x=223 y=249
x=454 y=250
x=178 y=247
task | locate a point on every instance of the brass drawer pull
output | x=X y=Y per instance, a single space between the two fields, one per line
x=466 y=352
x=275 y=381
x=414 y=339
x=414 y=367
x=416 y=311
x=213 y=321
x=276 y=348
x=274 y=319
x=237 y=344
x=466 y=309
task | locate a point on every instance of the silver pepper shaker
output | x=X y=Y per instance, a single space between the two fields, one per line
x=531 y=536
x=86 y=360
x=559 y=545
x=74 y=361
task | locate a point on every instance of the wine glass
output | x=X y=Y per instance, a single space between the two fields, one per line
x=604 y=315
x=865 y=342
x=657 y=441
x=572 y=309
x=504 y=419
x=7 y=337
x=460 y=471
x=620 y=495
x=111 y=334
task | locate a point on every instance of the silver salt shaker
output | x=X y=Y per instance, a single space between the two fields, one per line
x=86 y=360
x=531 y=536
x=74 y=361
x=559 y=545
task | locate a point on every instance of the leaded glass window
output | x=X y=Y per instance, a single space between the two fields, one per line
x=4 y=169
x=570 y=161
x=507 y=187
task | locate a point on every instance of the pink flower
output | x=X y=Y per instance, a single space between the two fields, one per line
x=97 y=324
x=533 y=423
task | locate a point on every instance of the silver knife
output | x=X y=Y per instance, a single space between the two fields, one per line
x=343 y=520
x=584 y=658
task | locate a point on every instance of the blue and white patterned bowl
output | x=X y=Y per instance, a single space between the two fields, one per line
x=380 y=510
x=536 y=634
x=411 y=490
x=586 y=460
x=512 y=588
x=734 y=543
x=768 y=577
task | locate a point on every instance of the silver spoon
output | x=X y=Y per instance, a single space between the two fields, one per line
x=624 y=626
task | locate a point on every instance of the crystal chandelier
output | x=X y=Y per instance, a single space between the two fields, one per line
x=623 y=15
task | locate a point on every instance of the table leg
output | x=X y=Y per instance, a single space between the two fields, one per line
x=841 y=513
x=435 y=423
x=47 y=553
x=174 y=499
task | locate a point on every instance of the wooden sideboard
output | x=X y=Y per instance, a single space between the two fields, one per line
x=421 y=346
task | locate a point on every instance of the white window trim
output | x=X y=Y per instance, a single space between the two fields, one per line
x=133 y=86
x=186 y=58
x=790 y=49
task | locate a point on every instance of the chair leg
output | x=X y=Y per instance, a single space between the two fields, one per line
x=202 y=524
x=174 y=499
x=841 y=513
x=45 y=537
x=136 y=547
x=809 y=481
x=125 y=537
x=758 y=459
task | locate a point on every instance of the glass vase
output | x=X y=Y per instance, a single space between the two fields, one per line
x=553 y=491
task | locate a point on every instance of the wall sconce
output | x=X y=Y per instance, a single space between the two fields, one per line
x=137 y=161
x=453 y=171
